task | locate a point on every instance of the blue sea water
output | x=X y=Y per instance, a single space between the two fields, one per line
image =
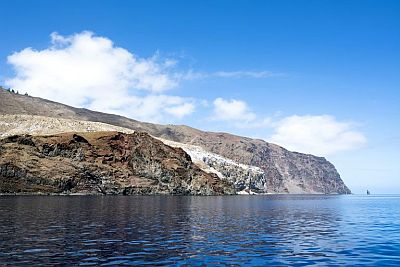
x=282 y=230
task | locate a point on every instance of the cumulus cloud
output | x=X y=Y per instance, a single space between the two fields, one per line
x=88 y=70
x=320 y=135
x=238 y=113
x=232 y=110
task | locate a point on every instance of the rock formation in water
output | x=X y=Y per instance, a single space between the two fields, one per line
x=101 y=163
x=283 y=171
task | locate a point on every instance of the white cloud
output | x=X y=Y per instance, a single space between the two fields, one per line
x=232 y=110
x=181 y=110
x=90 y=71
x=238 y=113
x=320 y=135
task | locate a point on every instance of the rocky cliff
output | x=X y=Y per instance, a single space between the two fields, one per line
x=101 y=163
x=241 y=175
x=283 y=171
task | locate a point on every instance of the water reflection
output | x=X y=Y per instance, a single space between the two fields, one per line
x=231 y=230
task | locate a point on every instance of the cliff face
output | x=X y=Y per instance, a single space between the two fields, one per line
x=226 y=169
x=101 y=163
x=283 y=171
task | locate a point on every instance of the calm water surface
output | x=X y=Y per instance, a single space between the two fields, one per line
x=199 y=231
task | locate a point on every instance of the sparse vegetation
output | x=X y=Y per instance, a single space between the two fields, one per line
x=12 y=90
x=9 y=90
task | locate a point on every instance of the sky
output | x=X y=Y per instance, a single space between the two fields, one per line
x=318 y=77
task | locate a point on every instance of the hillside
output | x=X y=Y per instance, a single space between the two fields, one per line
x=39 y=125
x=284 y=171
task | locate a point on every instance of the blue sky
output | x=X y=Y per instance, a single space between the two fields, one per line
x=319 y=77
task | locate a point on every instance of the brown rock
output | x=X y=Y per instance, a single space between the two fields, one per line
x=101 y=163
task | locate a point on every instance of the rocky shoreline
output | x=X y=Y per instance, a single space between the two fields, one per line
x=108 y=163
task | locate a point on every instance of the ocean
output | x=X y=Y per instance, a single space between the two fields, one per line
x=268 y=230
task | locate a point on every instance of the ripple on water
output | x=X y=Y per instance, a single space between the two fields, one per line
x=182 y=231
x=35 y=250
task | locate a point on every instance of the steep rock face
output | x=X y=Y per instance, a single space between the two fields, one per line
x=285 y=171
x=101 y=163
x=241 y=175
